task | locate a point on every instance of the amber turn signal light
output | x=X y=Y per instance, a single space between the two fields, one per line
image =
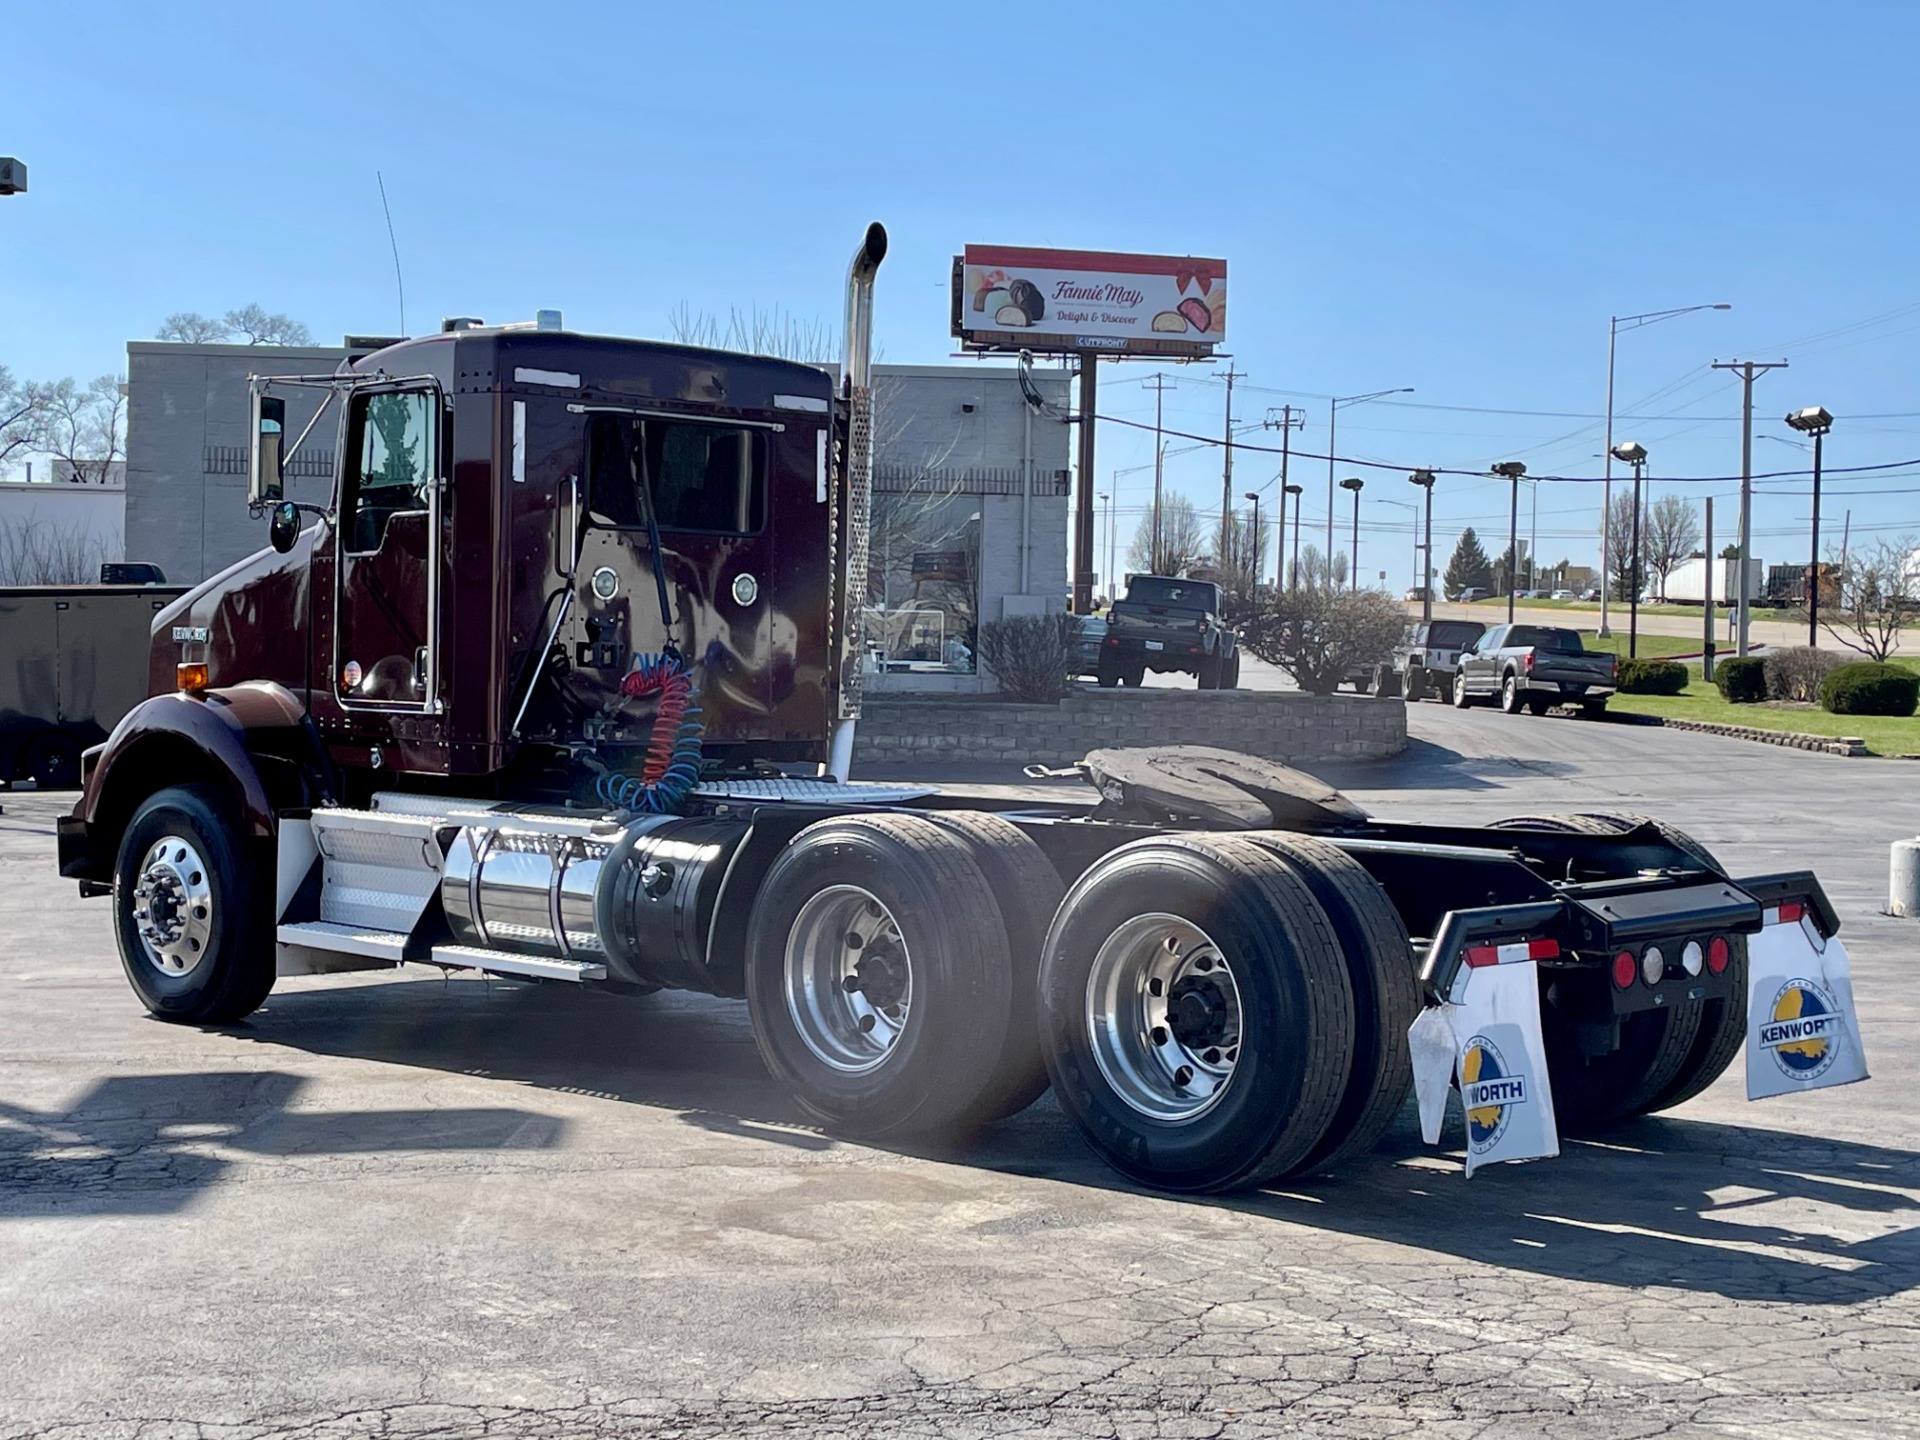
x=191 y=675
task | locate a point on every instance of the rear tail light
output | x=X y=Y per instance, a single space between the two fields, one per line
x=1791 y=911
x=1479 y=955
x=1653 y=965
x=1718 y=954
x=1692 y=957
x=1624 y=970
x=1527 y=661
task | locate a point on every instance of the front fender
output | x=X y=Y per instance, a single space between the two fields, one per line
x=225 y=738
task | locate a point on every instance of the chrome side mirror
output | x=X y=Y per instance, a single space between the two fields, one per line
x=284 y=528
x=266 y=442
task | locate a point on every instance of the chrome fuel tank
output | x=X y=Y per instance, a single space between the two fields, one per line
x=639 y=897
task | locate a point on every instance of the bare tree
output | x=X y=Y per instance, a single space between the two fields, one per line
x=1242 y=576
x=1620 y=546
x=189 y=327
x=1314 y=569
x=1182 y=540
x=262 y=328
x=773 y=332
x=1879 y=595
x=84 y=429
x=22 y=408
x=37 y=552
x=1669 y=533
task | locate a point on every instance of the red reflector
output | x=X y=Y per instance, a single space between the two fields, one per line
x=1543 y=949
x=1791 y=911
x=1718 y=954
x=1478 y=955
x=1113 y=640
x=1624 y=970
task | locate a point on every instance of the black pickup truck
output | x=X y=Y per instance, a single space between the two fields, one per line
x=1168 y=622
x=1533 y=667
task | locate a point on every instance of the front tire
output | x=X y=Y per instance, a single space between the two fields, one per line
x=1199 y=1022
x=1230 y=672
x=1207 y=672
x=193 y=909
x=1457 y=693
x=877 y=995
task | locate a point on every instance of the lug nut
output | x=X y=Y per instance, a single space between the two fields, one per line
x=854 y=942
x=866 y=1024
x=851 y=984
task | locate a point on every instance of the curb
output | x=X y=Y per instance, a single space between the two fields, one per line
x=1793 y=739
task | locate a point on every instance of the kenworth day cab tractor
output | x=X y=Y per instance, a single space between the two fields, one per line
x=562 y=685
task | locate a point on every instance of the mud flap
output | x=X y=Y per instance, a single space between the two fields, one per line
x=1486 y=1040
x=1802 y=1033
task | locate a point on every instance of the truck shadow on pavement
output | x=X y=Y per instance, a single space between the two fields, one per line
x=148 y=1144
x=1739 y=1211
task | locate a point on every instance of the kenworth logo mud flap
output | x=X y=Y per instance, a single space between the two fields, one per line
x=1485 y=1037
x=1801 y=1030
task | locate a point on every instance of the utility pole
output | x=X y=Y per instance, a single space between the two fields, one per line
x=1160 y=388
x=1512 y=472
x=1226 y=478
x=1706 y=647
x=1296 y=491
x=1743 y=592
x=1292 y=418
x=1424 y=479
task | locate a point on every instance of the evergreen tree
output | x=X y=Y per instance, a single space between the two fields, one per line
x=1469 y=565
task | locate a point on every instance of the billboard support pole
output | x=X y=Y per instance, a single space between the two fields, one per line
x=1083 y=491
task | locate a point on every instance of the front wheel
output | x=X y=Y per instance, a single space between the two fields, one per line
x=1457 y=693
x=193 y=910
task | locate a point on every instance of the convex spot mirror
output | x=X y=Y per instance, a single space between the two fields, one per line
x=284 y=528
x=267 y=441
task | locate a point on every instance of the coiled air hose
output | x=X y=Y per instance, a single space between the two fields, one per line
x=672 y=766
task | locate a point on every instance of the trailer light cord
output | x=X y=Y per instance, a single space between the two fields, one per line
x=672 y=766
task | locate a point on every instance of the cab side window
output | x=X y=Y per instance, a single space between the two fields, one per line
x=709 y=477
x=392 y=461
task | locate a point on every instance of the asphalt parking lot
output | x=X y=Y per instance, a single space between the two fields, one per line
x=413 y=1207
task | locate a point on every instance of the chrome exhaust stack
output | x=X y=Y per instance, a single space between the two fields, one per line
x=855 y=494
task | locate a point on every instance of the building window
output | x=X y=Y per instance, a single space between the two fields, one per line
x=923 y=582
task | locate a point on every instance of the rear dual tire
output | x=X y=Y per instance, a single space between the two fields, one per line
x=1224 y=1010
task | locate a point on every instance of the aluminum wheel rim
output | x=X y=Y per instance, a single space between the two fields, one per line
x=1164 y=1014
x=848 y=979
x=173 y=907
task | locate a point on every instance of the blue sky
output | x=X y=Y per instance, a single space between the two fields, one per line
x=1449 y=197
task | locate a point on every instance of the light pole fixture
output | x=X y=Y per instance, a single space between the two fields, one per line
x=1816 y=422
x=1615 y=325
x=1512 y=472
x=1634 y=454
x=1296 y=491
x=1106 y=499
x=13 y=176
x=1334 y=402
x=1356 y=485
x=1253 y=570
x=1424 y=479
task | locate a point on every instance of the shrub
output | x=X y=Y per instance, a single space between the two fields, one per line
x=1651 y=677
x=1742 y=681
x=1796 y=672
x=1317 y=633
x=1867 y=688
x=1030 y=655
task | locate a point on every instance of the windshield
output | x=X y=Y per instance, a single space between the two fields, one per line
x=1540 y=637
x=1455 y=633
x=1186 y=594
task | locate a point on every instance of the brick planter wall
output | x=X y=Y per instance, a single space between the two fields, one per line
x=1286 y=725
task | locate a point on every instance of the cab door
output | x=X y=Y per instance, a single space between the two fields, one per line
x=388 y=576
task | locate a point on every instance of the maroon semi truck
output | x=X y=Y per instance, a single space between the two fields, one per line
x=561 y=685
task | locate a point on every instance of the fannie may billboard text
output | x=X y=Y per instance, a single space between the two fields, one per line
x=1007 y=298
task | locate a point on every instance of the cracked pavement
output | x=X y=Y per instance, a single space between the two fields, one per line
x=402 y=1206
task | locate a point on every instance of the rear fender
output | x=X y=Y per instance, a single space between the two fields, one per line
x=252 y=742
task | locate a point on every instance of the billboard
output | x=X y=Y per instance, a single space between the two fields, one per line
x=1009 y=298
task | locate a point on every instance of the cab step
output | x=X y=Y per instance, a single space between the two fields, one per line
x=505 y=962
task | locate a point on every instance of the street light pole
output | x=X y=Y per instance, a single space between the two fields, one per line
x=1334 y=402
x=1816 y=422
x=1356 y=485
x=1253 y=563
x=1512 y=471
x=1293 y=574
x=1614 y=325
x=1106 y=499
x=1424 y=479
x=1635 y=455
